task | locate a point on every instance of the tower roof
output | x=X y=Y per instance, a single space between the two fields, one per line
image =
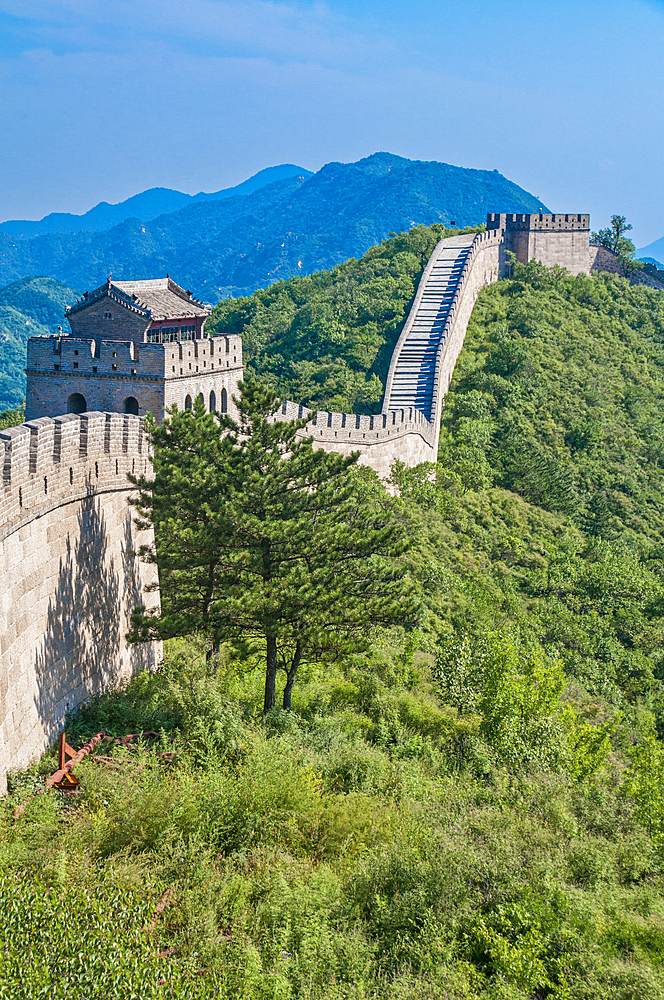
x=155 y=298
x=163 y=298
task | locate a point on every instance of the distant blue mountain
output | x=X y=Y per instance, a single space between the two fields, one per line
x=653 y=253
x=146 y=206
x=297 y=225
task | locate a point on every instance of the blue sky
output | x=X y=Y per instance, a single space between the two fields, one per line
x=100 y=100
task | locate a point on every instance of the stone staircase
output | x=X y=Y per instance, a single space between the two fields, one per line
x=413 y=376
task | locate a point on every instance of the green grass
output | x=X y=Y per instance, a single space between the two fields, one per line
x=370 y=844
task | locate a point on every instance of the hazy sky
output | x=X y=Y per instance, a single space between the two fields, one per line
x=100 y=100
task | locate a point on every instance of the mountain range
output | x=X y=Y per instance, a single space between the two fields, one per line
x=296 y=224
x=653 y=253
x=146 y=206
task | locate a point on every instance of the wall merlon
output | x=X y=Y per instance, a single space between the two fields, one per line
x=51 y=446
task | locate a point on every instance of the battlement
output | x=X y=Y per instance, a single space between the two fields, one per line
x=115 y=358
x=70 y=576
x=531 y=222
x=51 y=459
x=381 y=439
x=73 y=374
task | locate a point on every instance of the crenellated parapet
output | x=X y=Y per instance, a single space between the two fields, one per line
x=55 y=459
x=382 y=438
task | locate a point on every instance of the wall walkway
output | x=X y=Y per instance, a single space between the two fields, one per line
x=422 y=362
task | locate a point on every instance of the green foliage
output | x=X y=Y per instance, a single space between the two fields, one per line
x=574 y=425
x=614 y=239
x=367 y=844
x=326 y=340
x=645 y=783
x=11 y=418
x=261 y=537
x=30 y=307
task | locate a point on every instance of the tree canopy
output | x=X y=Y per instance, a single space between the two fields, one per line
x=614 y=239
x=260 y=536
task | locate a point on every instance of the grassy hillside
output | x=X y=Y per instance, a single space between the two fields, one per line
x=31 y=307
x=470 y=810
x=296 y=225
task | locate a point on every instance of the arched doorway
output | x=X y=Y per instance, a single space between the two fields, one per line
x=76 y=403
x=213 y=402
x=224 y=401
x=131 y=405
x=187 y=402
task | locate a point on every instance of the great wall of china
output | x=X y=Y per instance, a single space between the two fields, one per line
x=69 y=575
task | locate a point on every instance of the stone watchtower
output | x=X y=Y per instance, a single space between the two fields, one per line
x=135 y=347
x=551 y=239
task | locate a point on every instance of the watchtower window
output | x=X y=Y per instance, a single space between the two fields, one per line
x=76 y=403
x=168 y=334
x=213 y=402
x=187 y=402
x=187 y=332
x=131 y=405
x=201 y=399
x=153 y=336
x=224 y=401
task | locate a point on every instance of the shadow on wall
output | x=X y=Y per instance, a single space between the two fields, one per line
x=81 y=645
x=133 y=591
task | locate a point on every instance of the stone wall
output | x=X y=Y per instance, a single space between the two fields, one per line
x=555 y=240
x=69 y=578
x=108 y=372
x=482 y=267
x=106 y=318
x=399 y=435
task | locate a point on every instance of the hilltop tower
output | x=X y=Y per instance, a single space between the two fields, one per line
x=135 y=347
x=552 y=239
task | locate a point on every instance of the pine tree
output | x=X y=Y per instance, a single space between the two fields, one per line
x=259 y=535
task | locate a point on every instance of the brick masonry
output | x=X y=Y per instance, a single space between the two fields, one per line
x=107 y=373
x=69 y=575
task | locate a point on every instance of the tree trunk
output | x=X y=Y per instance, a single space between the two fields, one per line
x=270 y=674
x=212 y=653
x=291 y=674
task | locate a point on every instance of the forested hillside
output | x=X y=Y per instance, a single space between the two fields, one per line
x=295 y=225
x=326 y=340
x=467 y=806
x=31 y=307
